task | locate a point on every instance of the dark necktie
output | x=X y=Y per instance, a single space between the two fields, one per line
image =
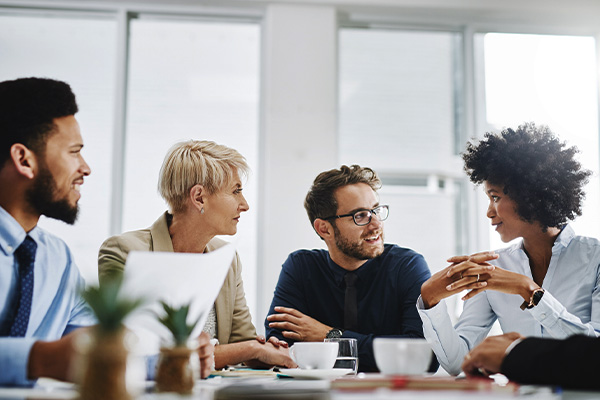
x=25 y=255
x=350 y=303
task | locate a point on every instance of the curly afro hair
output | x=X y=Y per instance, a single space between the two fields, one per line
x=537 y=170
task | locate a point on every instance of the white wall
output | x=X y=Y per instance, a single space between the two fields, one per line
x=298 y=131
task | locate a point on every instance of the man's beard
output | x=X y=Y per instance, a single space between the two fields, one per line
x=354 y=250
x=41 y=196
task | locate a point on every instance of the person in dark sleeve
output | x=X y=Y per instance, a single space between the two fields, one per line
x=570 y=363
x=360 y=287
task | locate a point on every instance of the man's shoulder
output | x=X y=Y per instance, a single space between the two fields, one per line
x=395 y=252
x=59 y=258
x=56 y=249
x=50 y=240
x=403 y=260
x=308 y=257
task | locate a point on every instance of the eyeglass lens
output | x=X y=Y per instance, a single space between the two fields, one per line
x=363 y=217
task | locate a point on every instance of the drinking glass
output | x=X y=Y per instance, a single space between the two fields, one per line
x=347 y=354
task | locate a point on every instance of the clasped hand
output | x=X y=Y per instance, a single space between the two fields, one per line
x=297 y=326
x=465 y=273
x=476 y=274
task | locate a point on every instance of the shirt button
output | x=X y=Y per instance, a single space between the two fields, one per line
x=543 y=315
x=9 y=248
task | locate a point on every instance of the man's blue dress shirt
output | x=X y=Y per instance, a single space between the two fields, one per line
x=57 y=306
x=388 y=287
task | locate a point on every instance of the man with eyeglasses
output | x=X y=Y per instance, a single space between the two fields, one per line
x=360 y=288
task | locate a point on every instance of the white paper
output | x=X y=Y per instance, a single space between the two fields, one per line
x=177 y=279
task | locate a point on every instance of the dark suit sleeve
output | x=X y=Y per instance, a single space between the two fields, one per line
x=571 y=363
x=288 y=293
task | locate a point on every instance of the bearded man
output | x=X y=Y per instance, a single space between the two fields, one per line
x=360 y=288
x=41 y=171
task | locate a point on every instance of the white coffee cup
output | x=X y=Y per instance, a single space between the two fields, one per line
x=400 y=356
x=314 y=355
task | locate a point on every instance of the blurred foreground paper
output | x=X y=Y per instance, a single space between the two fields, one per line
x=177 y=279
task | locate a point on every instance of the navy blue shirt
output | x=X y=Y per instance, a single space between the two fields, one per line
x=387 y=290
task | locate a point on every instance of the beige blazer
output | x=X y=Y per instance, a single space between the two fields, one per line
x=234 y=323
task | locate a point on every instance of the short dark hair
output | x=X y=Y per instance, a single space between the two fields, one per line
x=320 y=201
x=538 y=172
x=28 y=107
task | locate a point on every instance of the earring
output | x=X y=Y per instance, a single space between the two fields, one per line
x=202 y=210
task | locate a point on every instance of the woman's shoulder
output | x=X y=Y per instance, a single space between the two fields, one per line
x=586 y=241
x=132 y=240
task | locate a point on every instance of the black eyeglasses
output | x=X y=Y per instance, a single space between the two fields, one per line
x=363 y=217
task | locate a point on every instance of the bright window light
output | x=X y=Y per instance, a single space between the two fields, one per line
x=550 y=80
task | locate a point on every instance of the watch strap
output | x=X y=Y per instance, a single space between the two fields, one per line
x=536 y=296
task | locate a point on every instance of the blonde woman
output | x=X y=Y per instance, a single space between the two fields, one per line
x=201 y=183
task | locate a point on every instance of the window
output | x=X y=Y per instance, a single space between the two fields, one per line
x=79 y=50
x=399 y=102
x=550 y=80
x=191 y=80
x=187 y=79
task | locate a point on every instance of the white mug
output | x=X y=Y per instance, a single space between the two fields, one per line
x=314 y=355
x=401 y=356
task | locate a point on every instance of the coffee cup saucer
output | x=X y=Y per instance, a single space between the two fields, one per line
x=314 y=373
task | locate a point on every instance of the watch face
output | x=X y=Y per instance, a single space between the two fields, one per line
x=537 y=296
x=334 y=334
x=535 y=299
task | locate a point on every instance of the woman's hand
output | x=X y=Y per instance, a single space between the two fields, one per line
x=206 y=354
x=267 y=355
x=465 y=273
x=273 y=340
x=501 y=280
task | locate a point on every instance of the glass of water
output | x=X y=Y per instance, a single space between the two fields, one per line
x=347 y=354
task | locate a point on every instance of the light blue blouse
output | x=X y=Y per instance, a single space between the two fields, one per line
x=570 y=305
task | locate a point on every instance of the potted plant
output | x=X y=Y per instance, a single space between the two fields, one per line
x=178 y=365
x=106 y=354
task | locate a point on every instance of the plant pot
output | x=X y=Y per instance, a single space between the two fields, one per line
x=105 y=366
x=177 y=369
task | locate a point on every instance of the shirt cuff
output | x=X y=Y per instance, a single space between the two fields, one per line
x=547 y=311
x=512 y=346
x=437 y=311
x=14 y=361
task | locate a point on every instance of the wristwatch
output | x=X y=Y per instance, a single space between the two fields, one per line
x=536 y=296
x=334 y=334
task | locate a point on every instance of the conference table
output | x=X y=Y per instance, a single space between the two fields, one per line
x=270 y=385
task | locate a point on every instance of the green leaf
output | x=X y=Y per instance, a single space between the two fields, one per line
x=110 y=310
x=175 y=319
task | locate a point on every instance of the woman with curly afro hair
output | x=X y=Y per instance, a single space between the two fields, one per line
x=545 y=285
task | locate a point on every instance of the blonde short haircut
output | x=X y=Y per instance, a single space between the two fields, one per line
x=197 y=162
